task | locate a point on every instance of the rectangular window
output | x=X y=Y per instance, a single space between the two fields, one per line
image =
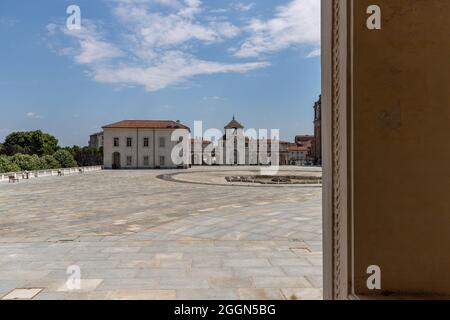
x=146 y=161
x=116 y=142
x=146 y=142
x=129 y=142
x=162 y=161
x=129 y=161
x=162 y=142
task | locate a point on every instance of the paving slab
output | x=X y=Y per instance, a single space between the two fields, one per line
x=22 y=294
x=135 y=236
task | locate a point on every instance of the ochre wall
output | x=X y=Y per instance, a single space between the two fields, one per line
x=401 y=139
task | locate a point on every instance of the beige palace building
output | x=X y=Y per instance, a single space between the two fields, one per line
x=143 y=144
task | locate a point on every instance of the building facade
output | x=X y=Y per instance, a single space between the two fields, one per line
x=298 y=155
x=198 y=154
x=252 y=151
x=306 y=141
x=96 y=140
x=145 y=144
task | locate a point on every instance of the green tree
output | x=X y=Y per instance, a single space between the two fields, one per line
x=49 y=162
x=72 y=150
x=6 y=165
x=26 y=161
x=29 y=142
x=65 y=159
x=89 y=157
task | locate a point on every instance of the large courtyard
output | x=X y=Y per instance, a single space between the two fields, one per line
x=161 y=235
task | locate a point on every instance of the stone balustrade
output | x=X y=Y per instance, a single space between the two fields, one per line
x=4 y=177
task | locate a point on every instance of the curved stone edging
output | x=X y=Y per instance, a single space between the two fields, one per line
x=171 y=178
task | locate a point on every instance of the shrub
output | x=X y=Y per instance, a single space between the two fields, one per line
x=89 y=157
x=26 y=162
x=49 y=162
x=65 y=159
x=6 y=165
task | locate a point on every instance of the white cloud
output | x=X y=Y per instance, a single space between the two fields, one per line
x=213 y=98
x=240 y=7
x=294 y=24
x=173 y=68
x=93 y=50
x=157 y=30
x=225 y=29
x=243 y=7
x=33 y=115
x=314 y=53
x=169 y=3
x=91 y=47
x=152 y=49
x=191 y=8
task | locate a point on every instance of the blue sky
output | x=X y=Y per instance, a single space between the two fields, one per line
x=158 y=59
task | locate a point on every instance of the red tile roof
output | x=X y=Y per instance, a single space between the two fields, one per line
x=199 y=141
x=146 y=124
x=304 y=138
x=271 y=141
x=296 y=148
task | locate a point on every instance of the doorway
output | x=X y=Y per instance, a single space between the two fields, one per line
x=116 y=160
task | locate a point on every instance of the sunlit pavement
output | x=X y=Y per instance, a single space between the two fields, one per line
x=135 y=236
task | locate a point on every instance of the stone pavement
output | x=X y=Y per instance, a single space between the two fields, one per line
x=135 y=236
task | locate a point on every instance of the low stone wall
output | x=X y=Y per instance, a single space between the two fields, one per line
x=262 y=179
x=4 y=177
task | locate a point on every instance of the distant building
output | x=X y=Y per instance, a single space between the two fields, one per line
x=143 y=144
x=234 y=132
x=298 y=155
x=254 y=149
x=136 y=144
x=96 y=140
x=306 y=141
x=317 y=145
x=198 y=154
